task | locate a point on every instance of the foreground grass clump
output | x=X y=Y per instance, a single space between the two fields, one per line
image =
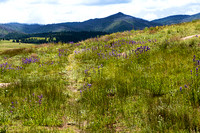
x=136 y=81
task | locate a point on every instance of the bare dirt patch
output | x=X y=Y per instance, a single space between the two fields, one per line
x=4 y=84
x=189 y=37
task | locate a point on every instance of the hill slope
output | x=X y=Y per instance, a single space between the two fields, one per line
x=177 y=19
x=192 y=17
x=171 y=19
x=133 y=81
x=5 y=30
x=114 y=23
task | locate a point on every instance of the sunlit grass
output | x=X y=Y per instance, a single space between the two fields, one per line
x=6 y=45
x=135 y=81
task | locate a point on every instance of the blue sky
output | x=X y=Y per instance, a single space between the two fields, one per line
x=57 y=11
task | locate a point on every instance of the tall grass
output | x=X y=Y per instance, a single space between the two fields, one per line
x=137 y=81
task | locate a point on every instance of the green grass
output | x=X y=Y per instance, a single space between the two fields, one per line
x=6 y=45
x=114 y=83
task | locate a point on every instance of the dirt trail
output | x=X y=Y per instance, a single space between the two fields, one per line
x=70 y=73
x=189 y=37
x=72 y=87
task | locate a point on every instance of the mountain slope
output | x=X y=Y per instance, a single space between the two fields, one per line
x=114 y=23
x=171 y=19
x=192 y=17
x=177 y=19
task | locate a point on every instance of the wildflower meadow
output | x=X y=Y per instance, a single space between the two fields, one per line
x=133 y=81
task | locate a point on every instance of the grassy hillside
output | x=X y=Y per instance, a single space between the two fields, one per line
x=136 y=81
x=4 y=30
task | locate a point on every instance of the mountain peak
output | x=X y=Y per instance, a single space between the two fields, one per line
x=117 y=15
x=120 y=13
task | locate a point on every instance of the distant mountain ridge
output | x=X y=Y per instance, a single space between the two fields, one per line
x=115 y=23
x=175 y=19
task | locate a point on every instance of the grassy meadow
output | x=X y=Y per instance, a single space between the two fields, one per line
x=6 y=45
x=134 y=81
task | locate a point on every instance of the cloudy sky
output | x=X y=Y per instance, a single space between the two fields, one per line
x=56 y=11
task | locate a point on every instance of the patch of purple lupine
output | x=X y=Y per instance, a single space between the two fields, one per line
x=87 y=71
x=117 y=54
x=86 y=87
x=47 y=63
x=31 y=103
x=82 y=50
x=62 y=52
x=29 y=60
x=77 y=44
x=195 y=73
x=114 y=46
x=40 y=99
x=196 y=62
x=6 y=66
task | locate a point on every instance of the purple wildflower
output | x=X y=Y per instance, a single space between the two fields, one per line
x=194 y=58
x=181 y=88
x=185 y=86
x=40 y=97
x=89 y=85
x=86 y=71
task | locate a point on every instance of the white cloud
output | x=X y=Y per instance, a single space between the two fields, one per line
x=150 y=16
x=105 y=2
x=55 y=11
x=193 y=9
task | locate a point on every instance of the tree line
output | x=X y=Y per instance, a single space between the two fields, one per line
x=55 y=37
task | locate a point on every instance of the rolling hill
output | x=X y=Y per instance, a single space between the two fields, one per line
x=193 y=17
x=171 y=19
x=5 y=30
x=133 y=81
x=177 y=19
x=114 y=23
